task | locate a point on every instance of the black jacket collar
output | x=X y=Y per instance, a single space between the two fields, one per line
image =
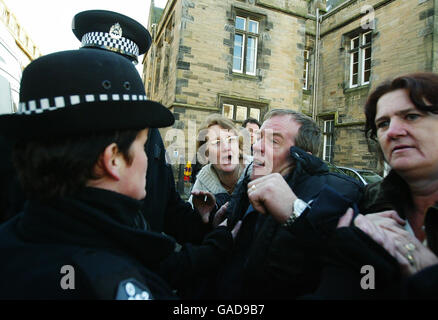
x=94 y=218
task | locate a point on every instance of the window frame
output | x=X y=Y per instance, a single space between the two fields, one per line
x=306 y=69
x=360 y=51
x=246 y=35
x=261 y=106
x=327 y=135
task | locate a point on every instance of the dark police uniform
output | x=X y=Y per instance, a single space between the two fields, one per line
x=96 y=237
x=92 y=244
x=163 y=207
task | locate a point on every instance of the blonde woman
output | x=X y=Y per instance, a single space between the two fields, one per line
x=219 y=145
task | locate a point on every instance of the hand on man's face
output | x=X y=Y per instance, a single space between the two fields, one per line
x=272 y=195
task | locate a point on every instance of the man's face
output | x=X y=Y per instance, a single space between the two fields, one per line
x=271 y=151
x=252 y=128
x=133 y=176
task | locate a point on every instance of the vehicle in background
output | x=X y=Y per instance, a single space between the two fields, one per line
x=333 y=168
x=365 y=176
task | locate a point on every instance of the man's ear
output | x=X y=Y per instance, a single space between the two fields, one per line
x=111 y=162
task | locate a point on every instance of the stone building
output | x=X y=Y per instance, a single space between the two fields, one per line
x=17 y=50
x=242 y=58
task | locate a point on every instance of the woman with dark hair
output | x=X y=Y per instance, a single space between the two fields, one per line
x=402 y=116
x=391 y=247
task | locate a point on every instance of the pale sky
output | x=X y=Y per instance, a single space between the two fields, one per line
x=48 y=22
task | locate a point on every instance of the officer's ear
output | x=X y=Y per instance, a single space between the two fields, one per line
x=111 y=162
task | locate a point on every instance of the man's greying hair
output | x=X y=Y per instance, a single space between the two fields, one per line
x=309 y=134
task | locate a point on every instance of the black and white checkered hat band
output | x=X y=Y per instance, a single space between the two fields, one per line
x=49 y=104
x=105 y=41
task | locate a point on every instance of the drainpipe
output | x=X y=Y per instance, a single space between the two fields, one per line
x=316 y=74
x=435 y=38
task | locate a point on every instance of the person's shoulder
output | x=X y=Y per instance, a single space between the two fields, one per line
x=207 y=180
x=335 y=177
x=376 y=197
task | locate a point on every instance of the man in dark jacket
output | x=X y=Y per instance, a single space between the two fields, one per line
x=269 y=261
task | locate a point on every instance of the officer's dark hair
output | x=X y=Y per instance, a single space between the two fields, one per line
x=61 y=166
x=251 y=120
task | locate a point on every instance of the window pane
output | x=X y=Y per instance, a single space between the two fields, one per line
x=238 y=53
x=355 y=57
x=354 y=43
x=354 y=81
x=228 y=111
x=240 y=23
x=253 y=26
x=366 y=76
x=367 y=64
x=355 y=68
x=367 y=53
x=241 y=113
x=254 y=113
x=251 y=52
x=366 y=73
x=328 y=126
x=328 y=140
x=367 y=38
x=305 y=78
x=305 y=74
x=306 y=68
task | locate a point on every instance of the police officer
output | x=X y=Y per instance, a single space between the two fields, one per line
x=163 y=207
x=80 y=157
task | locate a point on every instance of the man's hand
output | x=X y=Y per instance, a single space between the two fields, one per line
x=204 y=202
x=271 y=194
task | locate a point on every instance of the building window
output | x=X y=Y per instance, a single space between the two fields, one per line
x=239 y=110
x=306 y=69
x=328 y=140
x=360 y=59
x=158 y=66
x=245 y=45
x=228 y=110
